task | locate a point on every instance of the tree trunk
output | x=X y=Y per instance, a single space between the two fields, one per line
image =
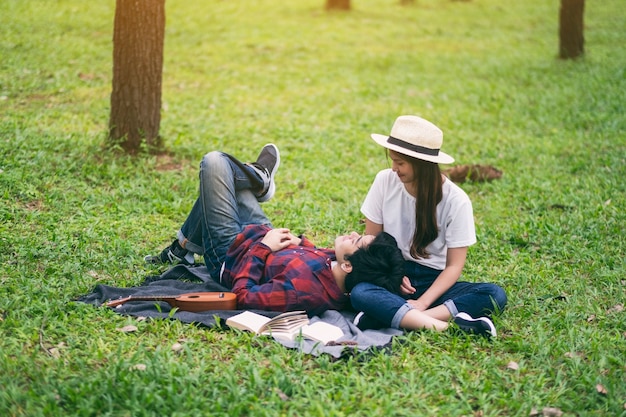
x=571 y=39
x=138 y=36
x=337 y=4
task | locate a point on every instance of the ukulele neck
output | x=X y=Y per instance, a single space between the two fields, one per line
x=115 y=303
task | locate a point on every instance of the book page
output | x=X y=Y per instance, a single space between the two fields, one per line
x=247 y=320
x=286 y=322
x=283 y=323
x=322 y=332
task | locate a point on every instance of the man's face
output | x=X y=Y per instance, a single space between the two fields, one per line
x=348 y=244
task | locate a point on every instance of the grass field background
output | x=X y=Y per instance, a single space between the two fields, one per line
x=239 y=74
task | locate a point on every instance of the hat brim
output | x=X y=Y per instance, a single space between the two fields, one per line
x=441 y=158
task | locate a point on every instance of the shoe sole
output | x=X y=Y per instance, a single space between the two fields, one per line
x=272 y=188
x=492 y=329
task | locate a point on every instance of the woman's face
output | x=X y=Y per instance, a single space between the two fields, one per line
x=401 y=167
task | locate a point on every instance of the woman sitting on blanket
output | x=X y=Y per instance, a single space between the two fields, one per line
x=432 y=221
x=272 y=269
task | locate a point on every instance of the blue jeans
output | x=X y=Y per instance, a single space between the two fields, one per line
x=226 y=205
x=385 y=309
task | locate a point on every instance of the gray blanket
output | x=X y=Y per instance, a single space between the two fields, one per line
x=178 y=280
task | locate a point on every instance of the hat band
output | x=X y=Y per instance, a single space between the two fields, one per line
x=415 y=148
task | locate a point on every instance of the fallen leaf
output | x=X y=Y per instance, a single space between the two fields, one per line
x=618 y=308
x=282 y=395
x=478 y=173
x=139 y=367
x=513 y=365
x=574 y=355
x=551 y=412
x=591 y=318
x=601 y=389
x=177 y=347
x=560 y=207
x=86 y=77
x=128 y=329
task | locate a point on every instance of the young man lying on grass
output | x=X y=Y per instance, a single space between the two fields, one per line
x=271 y=268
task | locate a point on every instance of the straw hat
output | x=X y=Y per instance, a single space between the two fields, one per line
x=415 y=137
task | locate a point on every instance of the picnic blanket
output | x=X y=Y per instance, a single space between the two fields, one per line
x=182 y=279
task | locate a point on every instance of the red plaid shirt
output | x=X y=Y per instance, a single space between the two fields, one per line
x=294 y=278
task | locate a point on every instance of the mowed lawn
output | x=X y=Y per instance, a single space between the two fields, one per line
x=239 y=74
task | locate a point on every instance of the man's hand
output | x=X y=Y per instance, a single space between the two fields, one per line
x=277 y=239
x=406 y=288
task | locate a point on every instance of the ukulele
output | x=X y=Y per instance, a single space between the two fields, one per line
x=193 y=301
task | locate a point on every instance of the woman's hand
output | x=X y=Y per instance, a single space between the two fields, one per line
x=277 y=239
x=418 y=305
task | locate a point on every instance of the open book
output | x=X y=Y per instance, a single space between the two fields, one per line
x=289 y=325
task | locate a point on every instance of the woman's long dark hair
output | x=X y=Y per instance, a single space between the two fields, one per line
x=429 y=192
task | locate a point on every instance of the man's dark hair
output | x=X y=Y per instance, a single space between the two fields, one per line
x=379 y=263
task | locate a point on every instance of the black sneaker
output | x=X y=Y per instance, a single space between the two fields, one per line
x=482 y=326
x=365 y=322
x=173 y=254
x=267 y=163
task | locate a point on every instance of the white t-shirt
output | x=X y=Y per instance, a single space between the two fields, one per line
x=390 y=204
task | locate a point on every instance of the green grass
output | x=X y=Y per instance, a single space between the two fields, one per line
x=238 y=74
